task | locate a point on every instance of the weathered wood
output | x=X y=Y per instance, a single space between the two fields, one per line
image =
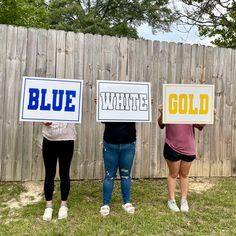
x=98 y=136
x=40 y=70
x=138 y=77
x=28 y=134
x=8 y=129
x=86 y=142
x=18 y=126
x=3 y=50
x=146 y=129
x=60 y=54
x=77 y=162
x=233 y=138
x=163 y=79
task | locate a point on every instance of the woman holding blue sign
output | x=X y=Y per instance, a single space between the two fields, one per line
x=58 y=144
x=118 y=153
x=179 y=152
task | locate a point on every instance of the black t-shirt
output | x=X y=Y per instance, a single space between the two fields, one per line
x=119 y=132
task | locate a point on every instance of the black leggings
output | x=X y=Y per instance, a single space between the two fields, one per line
x=63 y=150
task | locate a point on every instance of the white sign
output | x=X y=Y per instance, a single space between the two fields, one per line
x=122 y=101
x=188 y=104
x=51 y=100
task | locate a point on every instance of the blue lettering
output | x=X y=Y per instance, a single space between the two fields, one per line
x=69 y=94
x=56 y=107
x=33 y=99
x=44 y=106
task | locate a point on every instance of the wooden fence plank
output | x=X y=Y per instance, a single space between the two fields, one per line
x=77 y=162
x=98 y=137
x=51 y=53
x=163 y=79
x=18 y=126
x=28 y=134
x=3 y=50
x=156 y=132
x=217 y=128
x=227 y=115
x=146 y=129
x=87 y=128
x=233 y=160
x=8 y=129
x=138 y=77
x=40 y=70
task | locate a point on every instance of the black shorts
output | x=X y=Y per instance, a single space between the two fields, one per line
x=172 y=155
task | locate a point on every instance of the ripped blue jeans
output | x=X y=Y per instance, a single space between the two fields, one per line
x=117 y=156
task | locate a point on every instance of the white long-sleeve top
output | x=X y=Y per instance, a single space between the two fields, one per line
x=59 y=131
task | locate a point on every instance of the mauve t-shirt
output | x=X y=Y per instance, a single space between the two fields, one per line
x=181 y=138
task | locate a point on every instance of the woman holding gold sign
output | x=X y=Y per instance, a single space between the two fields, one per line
x=179 y=152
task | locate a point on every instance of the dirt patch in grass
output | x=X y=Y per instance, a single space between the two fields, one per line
x=201 y=185
x=32 y=194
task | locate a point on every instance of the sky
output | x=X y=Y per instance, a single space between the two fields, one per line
x=175 y=35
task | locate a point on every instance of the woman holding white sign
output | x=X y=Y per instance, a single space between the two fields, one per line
x=118 y=153
x=179 y=152
x=58 y=143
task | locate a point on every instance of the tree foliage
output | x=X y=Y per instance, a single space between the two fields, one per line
x=110 y=17
x=24 y=13
x=215 y=18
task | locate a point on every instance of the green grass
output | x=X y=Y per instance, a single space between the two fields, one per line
x=212 y=212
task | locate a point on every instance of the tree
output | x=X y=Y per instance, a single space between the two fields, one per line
x=214 y=18
x=110 y=17
x=32 y=13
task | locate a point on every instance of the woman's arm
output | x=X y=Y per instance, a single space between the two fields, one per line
x=161 y=125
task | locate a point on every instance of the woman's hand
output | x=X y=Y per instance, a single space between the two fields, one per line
x=47 y=123
x=160 y=108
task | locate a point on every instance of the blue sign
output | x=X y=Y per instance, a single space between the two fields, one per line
x=51 y=100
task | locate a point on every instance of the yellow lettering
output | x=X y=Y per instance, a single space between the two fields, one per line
x=183 y=104
x=173 y=103
x=192 y=110
x=204 y=104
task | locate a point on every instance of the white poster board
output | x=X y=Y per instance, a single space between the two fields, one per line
x=188 y=104
x=51 y=100
x=123 y=101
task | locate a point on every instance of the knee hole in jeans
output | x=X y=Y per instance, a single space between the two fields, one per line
x=109 y=177
x=124 y=174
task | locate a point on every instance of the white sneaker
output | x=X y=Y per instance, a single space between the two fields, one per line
x=184 y=206
x=173 y=206
x=63 y=212
x=47 y=214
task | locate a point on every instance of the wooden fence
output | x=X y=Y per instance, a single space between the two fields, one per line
x=33 y=52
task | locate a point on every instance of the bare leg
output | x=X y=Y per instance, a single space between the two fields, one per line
x=174 y=168
x=184 y=180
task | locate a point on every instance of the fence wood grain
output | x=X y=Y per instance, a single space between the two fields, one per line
x=3 y=51
x=59 y=54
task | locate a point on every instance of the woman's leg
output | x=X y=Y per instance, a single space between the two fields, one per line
x=184 y=180
x=110 y=157
x=174 y=168
x=125 y=164
x=50 y=162
x=65 y=156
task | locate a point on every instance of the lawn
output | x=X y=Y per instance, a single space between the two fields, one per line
x=212 y=210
